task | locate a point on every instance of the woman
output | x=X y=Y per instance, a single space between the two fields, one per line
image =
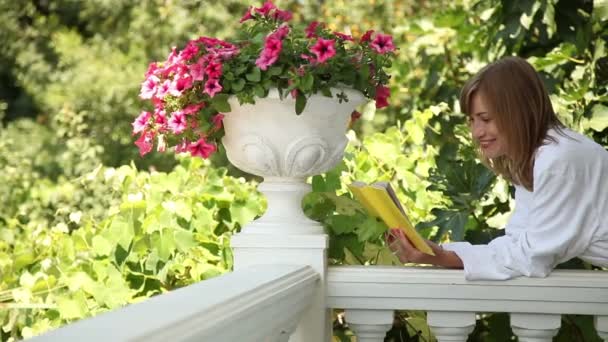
x=560 y=179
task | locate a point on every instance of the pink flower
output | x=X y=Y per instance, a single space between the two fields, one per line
x=182 y=147
x=247 y=15
x=178 y=122
x=383 y=43
x=324 y=49
x=343 y=36
x=140 y=123
x=280 y=33
x=282 y=15
x=382 y=95
x=151 y=69
x=201 y=149
x=217 y=121
x=145 y=142
x=272 y=46
x=197 y=70
x=367 y=36
x=266 y=60
x=214 y=69
x=193 y=108
x=311 y=30
x=308 y=58
x=189 y=51
x=212 y=87
x=163 y=89
x=266 y=8
x=180 y=84
x=160 y=119
x=148 y=88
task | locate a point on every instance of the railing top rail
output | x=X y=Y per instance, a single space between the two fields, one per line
x=422 y=288
x=206 y=311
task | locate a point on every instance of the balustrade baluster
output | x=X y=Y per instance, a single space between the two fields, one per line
x=535 y=327
x=451 y=326
x=370 y=325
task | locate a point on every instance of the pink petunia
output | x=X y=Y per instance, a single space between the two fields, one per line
x=214 y=69
x=140 y=123
x=178 y=122
x=272 y=46
x=193 y=108
x=148 y=87
x=145 y=142
x=197 y=70
x=212 y=87
x=282 y=15
x=382 y=95
x=266 y=8
x=280 y=33
x=383 y=43
x=344 y=36
x=152 y=69
x=311 y=29
x=163 y=89
x=201 y=149
x=189 y=51
x=217 y=121
x=182 y=147
x=324 y=49
x=266 y=60
x=180 y=84
x=247 y=15
x=367 y=36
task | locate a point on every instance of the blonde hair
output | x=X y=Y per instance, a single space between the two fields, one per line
x=521 y=108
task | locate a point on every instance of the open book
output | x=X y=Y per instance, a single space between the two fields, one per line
x=381 y=201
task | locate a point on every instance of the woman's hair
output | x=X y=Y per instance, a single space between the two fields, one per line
x=518 y=101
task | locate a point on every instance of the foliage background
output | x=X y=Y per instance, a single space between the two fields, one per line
x=87 y=225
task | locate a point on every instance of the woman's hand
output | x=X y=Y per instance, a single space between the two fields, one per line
x=406 y=252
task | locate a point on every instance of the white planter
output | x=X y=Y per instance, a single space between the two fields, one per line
x=268 y=139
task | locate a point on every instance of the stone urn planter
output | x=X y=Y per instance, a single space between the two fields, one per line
x=268 y=139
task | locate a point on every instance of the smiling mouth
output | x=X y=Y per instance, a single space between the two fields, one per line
x=486 y=143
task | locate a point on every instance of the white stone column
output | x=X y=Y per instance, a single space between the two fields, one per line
x=601 y=325
x=369 y=325
x=535 y=327
x=451 y=326
x=292 y=249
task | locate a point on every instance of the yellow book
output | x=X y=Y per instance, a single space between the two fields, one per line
x=380 y=200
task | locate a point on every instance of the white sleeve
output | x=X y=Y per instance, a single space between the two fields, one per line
x=562 y=218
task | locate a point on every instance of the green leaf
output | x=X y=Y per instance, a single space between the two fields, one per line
x=371 y=228
x=238 y=84
x=599 y=118
x=184 y=240
x=275 y=71
x=101 y=246
x=71 y=308
x=300 y=103
x=254 y=75
x=220 y=103
x=307 y=82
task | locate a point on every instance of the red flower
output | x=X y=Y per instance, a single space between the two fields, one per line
x=201 y=148
x=367 y=36
x=324 y=49
x=214 y=69
x=382 y=95
x=266 y=8
x=383 y=43
x=354 y=116
x=282 y=15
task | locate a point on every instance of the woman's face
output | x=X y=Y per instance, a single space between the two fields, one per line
x=483 y=128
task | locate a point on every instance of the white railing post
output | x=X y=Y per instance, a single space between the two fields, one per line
x=535 y=327
x=601 y=325
x=274 y=240
x=451 y=326
x=370 y=325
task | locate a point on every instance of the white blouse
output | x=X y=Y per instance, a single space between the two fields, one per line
x=566 y=215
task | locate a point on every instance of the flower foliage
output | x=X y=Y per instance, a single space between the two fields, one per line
x=189 y=91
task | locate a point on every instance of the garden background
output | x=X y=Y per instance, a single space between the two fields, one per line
x=87 y=226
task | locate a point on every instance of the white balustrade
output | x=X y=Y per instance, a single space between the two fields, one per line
x=259 y=303
x=451 y=302
x=370 y=325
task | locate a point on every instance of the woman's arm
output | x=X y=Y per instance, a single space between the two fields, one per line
x=405 y=251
